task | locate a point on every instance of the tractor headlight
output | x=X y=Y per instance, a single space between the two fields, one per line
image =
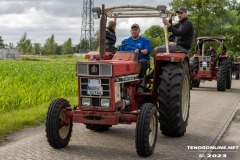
x=105 y=102
x=86 y=101
x=82 y=69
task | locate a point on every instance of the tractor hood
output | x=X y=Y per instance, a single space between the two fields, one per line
x=107 y=68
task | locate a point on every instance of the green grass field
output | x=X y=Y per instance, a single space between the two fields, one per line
x=29 y=85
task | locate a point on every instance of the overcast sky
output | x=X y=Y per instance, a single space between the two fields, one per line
x=63 y=18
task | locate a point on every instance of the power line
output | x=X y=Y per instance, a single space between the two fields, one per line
x=87 y=29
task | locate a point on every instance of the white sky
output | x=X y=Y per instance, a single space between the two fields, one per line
x=63 y=18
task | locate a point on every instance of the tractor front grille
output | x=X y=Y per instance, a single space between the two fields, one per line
x=95 y=96
x=204 y=63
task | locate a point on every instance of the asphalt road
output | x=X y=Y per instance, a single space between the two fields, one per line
x=210 y=113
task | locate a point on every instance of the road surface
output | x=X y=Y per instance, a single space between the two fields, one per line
x=210 y=114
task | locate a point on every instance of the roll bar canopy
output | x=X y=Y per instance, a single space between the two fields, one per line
x=128 y=11
x=202 y=40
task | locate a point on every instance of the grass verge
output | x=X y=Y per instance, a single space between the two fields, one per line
x=25 y=118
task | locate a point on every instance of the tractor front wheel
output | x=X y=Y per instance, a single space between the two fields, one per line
x=57 y=130
x=146 y=130
x=222 y=78
x=174 y=99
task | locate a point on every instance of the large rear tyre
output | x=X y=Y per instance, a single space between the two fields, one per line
x=174 y=99
x=196 y=83
x=237 y=75
x=146 y=130
x=222 y=78
x=58 y=132
x=229 y=79
x=195 y=65
x=98 y=127
x=229 y=73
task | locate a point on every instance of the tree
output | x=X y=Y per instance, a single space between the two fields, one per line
x=1 y=42
x=96 y=40
x=11 y=45
x=58 y=50
x=67 y=47
x=25 y=45
x=37 y=48
x=156 y=35
x=77 y=48
x=211 y=17
x=50 y=46
x=84 y=44
x=230 y=29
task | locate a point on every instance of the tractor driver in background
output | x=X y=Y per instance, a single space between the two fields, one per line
x=142 y=43
x=211 y=52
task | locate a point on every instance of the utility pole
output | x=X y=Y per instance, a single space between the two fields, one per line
x=87 y=30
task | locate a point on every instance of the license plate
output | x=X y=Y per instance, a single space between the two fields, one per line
x=94 y=90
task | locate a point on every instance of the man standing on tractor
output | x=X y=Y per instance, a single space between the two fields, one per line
x=140 y=45
x=183 y=32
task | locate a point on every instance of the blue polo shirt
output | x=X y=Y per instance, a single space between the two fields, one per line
x=141 y=42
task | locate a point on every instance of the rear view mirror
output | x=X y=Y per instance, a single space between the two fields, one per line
x=96 y=9
x=96 y=15
x=161 y=8
x=96 y=12
x=163 y=15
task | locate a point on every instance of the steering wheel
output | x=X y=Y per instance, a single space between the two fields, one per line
x=123 y=47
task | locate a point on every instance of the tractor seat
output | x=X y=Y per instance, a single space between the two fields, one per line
x=125 y=56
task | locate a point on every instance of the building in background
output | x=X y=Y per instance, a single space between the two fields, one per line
x=9 y=53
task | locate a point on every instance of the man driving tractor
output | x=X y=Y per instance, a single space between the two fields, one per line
x=142 y=43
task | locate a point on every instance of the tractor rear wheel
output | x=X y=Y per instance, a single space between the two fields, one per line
x=237 y=68
x=58 y=132
x=237 y=74
x=196 y=83
x=195 y=65
x=222 y=77
x=229 y=73
x=146 y=130
x=98 y=127
x=229 y=79
x=174 y=99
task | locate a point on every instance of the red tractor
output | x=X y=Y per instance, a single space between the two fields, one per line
x=211 y=67
x=95 y=55
x=236 y=68
x=107 y=91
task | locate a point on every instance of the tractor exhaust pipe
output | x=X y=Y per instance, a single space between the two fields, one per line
x=102 y=40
